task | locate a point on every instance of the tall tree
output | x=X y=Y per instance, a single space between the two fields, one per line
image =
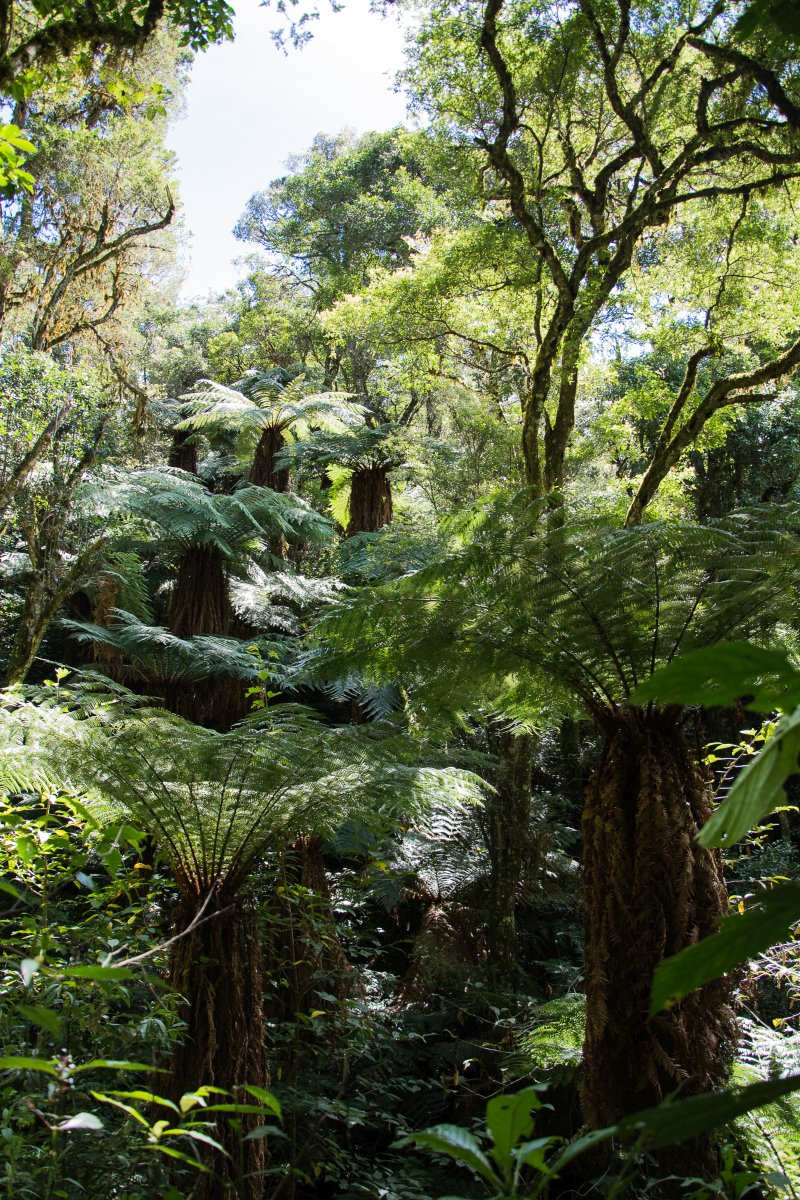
x=593 y=610
x=592 y=131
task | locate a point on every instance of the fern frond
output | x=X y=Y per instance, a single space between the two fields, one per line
x=216 y=801
x=157 y=655
x=187 y=515
x=358 y=448
x=550 y=1044
x=263 y=400
x=590 y=607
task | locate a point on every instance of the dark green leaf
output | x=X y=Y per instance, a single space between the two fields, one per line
x=677 y=1120
x=723 y=674
x=101 y=974
x=509 y=1118
x=28 y=1064
x=759 y=787
x=766 y=922
x=41 y=1016
x=459 y=1144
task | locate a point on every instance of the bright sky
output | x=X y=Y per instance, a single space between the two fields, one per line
x=249 y=107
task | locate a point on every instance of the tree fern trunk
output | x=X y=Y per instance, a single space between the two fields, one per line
x=650 y=890
x=264 y=472
x=200 y=602
x=217 y=969
x=183 y=451
x=370 y=500
x=506 y=826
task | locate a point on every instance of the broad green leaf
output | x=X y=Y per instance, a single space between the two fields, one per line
x=196 y=1135
x=509 y=1118
x=147 y=1097
x=766 y=922
x=676 y=1120
x=459 y=1144
x=82 y=1120
x=262 y=1131
x=190 y=1100
x=98 y=973
x=41 y=1016
x=235 y=1108
x=170 y=1153
x=723 y=674
x=28 y=1064
x=115 y=1064
x=578 y=1147
x=269 y=1101
x=534 y=1154
x=10 y=891
x=758 y=789
x=128 y=1108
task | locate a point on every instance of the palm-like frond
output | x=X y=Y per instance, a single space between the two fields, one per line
x=281 y=600
x=262 y=400
x=445 y=850
x=356 y=449
x=184 y=513
x=157 y=655
x=593 y=608
x=216 y=801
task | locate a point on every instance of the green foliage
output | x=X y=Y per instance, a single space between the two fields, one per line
x=216 y=801
x=187 y=516
x=765 y=922
x=154 y=654
x=593 y=608
x=347 y=207
x=550 y=1045
x=510 y=1124
x=13 y=147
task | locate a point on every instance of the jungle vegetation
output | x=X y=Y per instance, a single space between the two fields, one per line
x=400 y=649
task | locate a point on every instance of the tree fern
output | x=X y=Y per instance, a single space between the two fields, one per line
x=187 y=516
x=216 y=803
x=543 y=605
x=265 y=409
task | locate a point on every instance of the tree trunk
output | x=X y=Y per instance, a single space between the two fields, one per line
x=183 y=451
x=38 y=611
x=370 y=500
x=264 y=472
x=649 y=891
x=200 y=603
x=217 y=968
x=506 y=827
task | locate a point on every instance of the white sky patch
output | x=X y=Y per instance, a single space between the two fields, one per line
x=248 y=107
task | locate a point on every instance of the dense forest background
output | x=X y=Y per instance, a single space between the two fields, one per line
x=378 y=635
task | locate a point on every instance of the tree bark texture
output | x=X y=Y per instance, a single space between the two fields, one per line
x=183 y=451
x=370 y=500
x=264 y=472
x=217 y=968
x=649 y=891
x=200 y=603
x=38 y=611
x=506 y=827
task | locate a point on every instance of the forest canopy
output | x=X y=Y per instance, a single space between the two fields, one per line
x=399 y=722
